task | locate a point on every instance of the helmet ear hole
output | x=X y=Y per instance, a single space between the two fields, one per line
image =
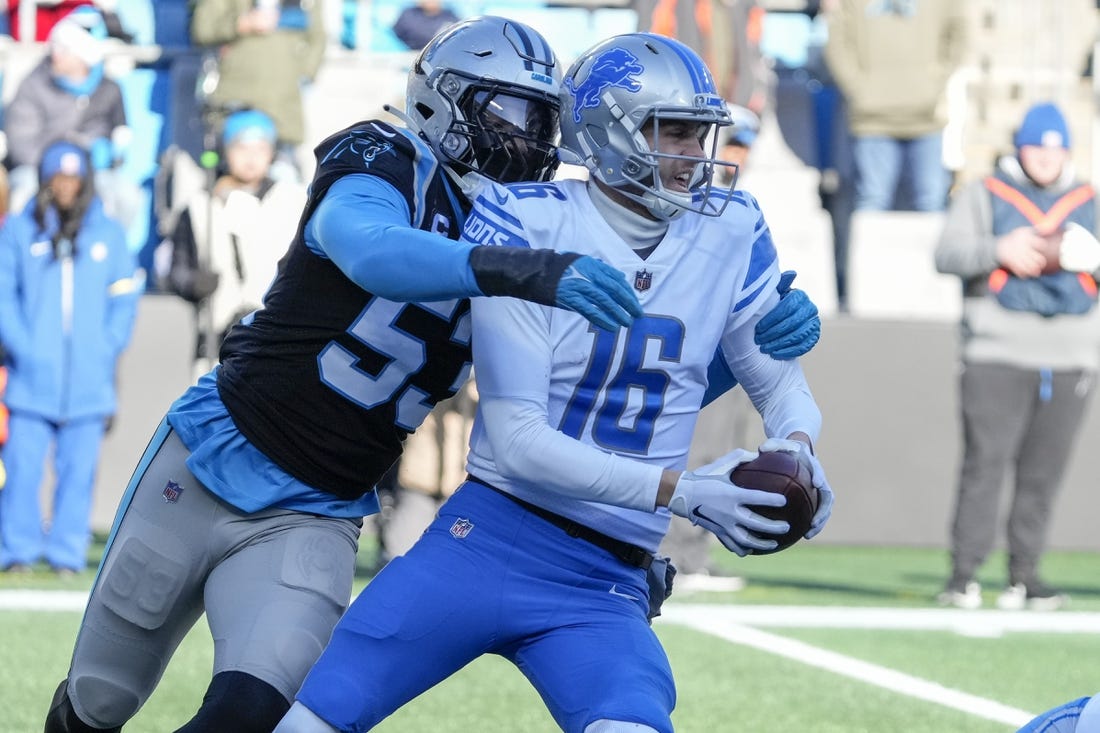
x=424 y=110
x=597 y=135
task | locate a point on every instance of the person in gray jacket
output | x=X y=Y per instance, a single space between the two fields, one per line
x=67 y=96
x=1023 y=241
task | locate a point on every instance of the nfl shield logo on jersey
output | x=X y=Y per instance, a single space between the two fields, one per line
x=642 y=280
x=461 y=528
x=172 y=492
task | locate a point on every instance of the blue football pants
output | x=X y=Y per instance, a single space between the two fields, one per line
x=490 y=577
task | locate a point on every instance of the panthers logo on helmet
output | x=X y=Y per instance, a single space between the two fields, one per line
x=613 y=68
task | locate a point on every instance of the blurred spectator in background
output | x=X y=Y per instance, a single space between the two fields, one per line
x=1023 y=241
x=417 y=23
x=737 y=141
x=891 y=60
x=225 y=247
x=726 y=33
x=739 y=67
x=67 y=303
x=68 y=97
x=268 y=50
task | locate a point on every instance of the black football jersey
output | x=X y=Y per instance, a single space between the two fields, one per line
x=328 y=379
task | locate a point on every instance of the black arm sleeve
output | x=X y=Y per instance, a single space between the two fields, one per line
x=529 y=274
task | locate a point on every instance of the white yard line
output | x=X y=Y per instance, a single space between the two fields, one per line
x=978 y=622
x=735 y=624
x=43 y=600
x=728 y=623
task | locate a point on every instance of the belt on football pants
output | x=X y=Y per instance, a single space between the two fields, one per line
x=628 y=553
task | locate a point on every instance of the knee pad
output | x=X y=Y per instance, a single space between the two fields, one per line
x=618 y=726
x=238 y=702
x=63 y=719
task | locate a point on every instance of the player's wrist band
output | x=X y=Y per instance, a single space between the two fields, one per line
x=520 y=272
x=628 y=553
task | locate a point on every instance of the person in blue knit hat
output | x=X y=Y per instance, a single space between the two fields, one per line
x=1023 y=243
x=226 y=243
x=1043 y=126
x=68 y=298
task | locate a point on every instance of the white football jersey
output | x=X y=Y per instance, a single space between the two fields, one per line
x=577 y=419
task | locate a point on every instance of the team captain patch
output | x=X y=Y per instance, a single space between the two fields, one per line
x=172 y=492
x=461 y=528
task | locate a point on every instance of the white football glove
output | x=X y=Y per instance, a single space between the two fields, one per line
x=709 y=499
x=817 y=474
x=1080 y=252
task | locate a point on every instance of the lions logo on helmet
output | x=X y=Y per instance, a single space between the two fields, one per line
x=618 y=87
x=613 y=68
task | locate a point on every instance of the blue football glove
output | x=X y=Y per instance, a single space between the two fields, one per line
x=817 y=476
x=791 y=328
x=598 y=292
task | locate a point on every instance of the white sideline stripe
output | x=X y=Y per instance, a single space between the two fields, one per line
x=43 y=600
x=873 y=674
x=976 y=622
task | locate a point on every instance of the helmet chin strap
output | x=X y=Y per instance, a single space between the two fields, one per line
x=662 y=204
x=400 y=114
x=468 y=184
x=664 y=209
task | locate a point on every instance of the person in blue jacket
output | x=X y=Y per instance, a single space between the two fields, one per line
x=67 y=303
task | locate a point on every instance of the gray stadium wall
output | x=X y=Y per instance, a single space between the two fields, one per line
x=890 y=441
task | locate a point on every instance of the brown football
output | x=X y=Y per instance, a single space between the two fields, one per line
x=781 y=473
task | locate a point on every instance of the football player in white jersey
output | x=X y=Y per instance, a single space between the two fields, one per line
x=582 y=433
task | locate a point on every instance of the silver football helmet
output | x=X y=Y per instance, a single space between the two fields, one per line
x=484 y=93
x=620 y=86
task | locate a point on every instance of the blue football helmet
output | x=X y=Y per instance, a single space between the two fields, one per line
x=619 y=86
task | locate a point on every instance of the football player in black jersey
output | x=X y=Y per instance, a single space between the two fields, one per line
x=247 y=504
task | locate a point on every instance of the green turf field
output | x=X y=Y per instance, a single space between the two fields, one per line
x=740 y=673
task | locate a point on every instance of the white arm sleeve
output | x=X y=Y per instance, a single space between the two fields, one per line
x=512 y=361
x=778 y=389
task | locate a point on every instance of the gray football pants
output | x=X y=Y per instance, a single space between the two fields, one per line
x=272 y=585
x=1013 y=422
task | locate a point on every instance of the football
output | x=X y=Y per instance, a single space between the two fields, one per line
x=781 y=473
